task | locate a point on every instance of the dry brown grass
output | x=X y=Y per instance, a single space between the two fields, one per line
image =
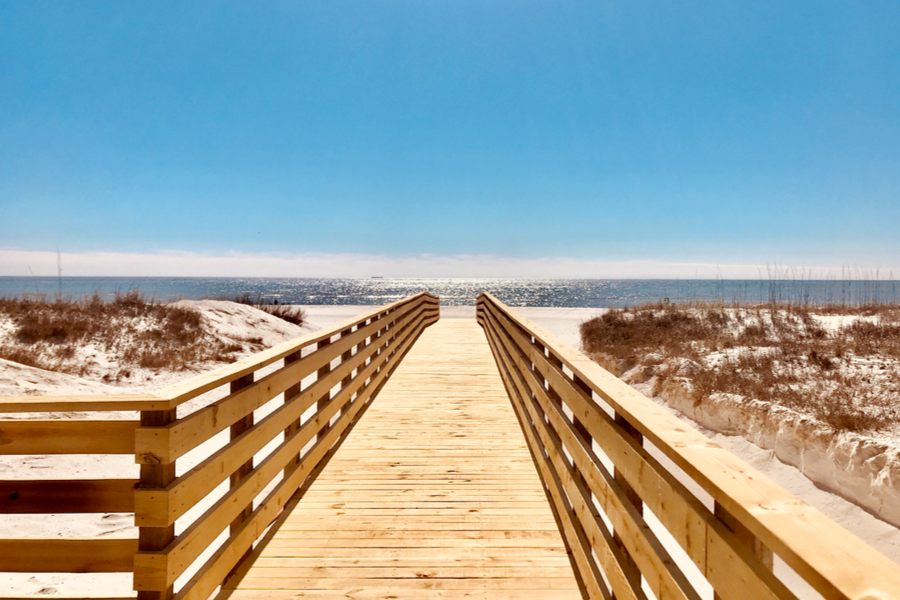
x=139 y=332
x=285 y=312
x=846 y=376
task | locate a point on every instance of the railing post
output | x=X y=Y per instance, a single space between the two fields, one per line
x=629 y=566
x=289 y=395
x=156 y=476
x=365 y=343
x=323 y=401
x=344 y=358
x=376 y=339
x=540 y=379
x=745 y=536
x=579 y=426
x=393 y=331
x=237 y=429
x=360 y=347
x=576 y=424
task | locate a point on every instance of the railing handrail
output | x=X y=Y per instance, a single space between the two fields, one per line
x=832 y=560
x=78 y=403
x=176 y=394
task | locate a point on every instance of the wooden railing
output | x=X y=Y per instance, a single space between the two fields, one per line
x=327 y=379
x=647 y=503
x=41 y=436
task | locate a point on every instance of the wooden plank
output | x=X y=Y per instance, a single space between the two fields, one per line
x=52 y=496
x=299 y=550
x=44 y=596
x=67 y=437
x=86 y=403
x=67 y=555
x=414 y=538
x=437 y=561
x=439 y=524
x=484 y=586
x=836 y=563
x=400 y=586
x=422 y=591
x=424 y=572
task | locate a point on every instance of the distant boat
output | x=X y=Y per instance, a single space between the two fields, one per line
x=377 y=277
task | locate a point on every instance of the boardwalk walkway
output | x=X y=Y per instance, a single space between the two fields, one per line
x=433 y=495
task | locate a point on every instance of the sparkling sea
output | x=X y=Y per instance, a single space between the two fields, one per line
x=572 y=293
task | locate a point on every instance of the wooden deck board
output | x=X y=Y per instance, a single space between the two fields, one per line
x=433 y=495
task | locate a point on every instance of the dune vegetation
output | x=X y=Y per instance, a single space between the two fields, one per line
x=838 y=364
x=114 y=339
x=141 y=333
x=286 y=312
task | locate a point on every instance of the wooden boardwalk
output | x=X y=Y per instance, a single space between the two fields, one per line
x=433 y=495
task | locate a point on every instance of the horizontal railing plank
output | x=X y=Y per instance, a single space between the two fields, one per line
x=67 y=437
x=181 y=392
x=48 y=496
x=71 y=555
x=86 y=403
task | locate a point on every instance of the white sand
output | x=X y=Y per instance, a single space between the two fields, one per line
x=563 y=322
x=21 y=380
x=241 y=323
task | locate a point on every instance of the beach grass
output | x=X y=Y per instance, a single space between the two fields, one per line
x=836 y=363
x=286 y=312
x=53 y=334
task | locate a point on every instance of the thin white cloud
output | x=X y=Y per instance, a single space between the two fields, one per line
x=187 y=264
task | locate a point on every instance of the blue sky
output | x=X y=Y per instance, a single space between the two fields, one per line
x=721 y=134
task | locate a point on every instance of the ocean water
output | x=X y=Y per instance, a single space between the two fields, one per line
x=574 y=293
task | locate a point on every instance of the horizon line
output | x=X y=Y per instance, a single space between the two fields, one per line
x=174 y=263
